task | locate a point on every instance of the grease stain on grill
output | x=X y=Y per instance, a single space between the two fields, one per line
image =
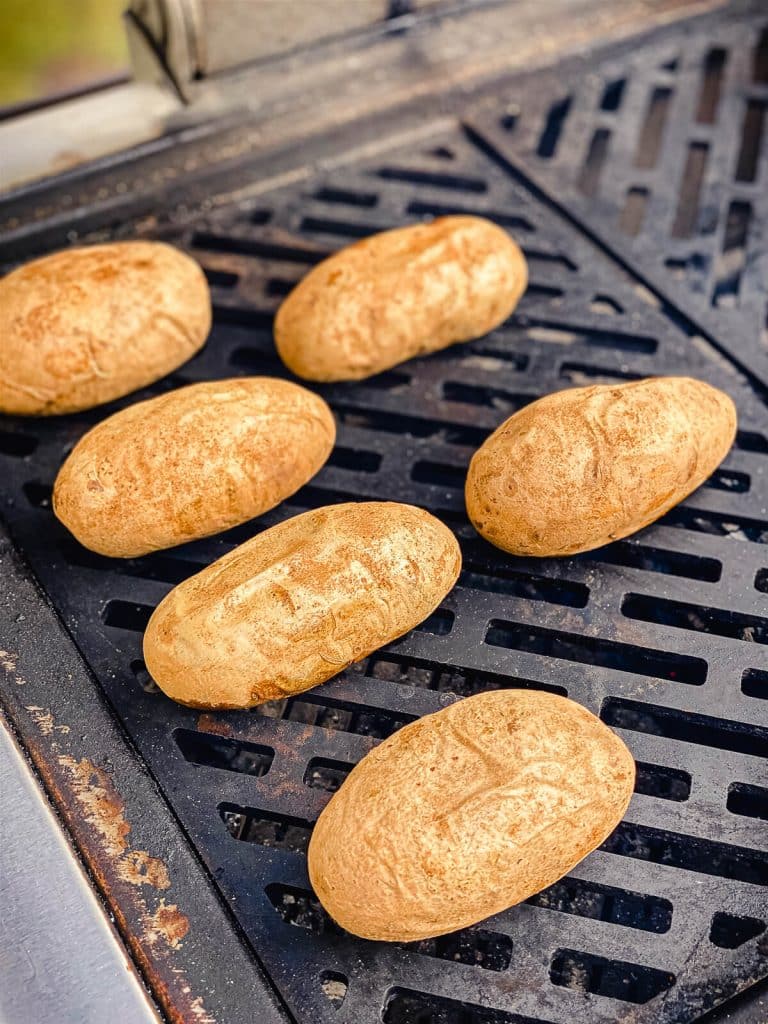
x=620 y=657
x=585 y=972
x=606 y=903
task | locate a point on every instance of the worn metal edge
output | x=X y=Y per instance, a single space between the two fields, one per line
x=36 y=852
x=187 y=949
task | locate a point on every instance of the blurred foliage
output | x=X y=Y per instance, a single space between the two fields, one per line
x=50 y=46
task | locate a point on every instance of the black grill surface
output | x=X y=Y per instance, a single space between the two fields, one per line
x=662 y=150
x=662 y=635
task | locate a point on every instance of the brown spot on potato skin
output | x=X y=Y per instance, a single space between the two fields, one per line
x=581 y=467
x=399 y=294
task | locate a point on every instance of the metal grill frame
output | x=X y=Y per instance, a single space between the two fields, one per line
x=242 y=323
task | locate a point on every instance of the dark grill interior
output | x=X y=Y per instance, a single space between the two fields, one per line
x=662 y=635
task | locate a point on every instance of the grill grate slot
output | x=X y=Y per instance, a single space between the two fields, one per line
x=518 y=636
x=223 y=752
x=616 y=979
x=730 y=931
x=685 y=726
x=606 y=903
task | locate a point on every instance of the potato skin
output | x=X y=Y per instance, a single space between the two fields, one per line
x=586 y=466
x=86 y=325
x=466 y=812
x=191 y=463
x=397 y=295
x=297 y=604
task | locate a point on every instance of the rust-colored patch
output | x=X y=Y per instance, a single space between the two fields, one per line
x=137 y=868
x=103 y=809
x=207 y=723
x=168 y=923
x=100 y=804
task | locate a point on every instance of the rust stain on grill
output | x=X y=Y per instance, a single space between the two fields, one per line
x=95 y=812
x=209 y=723
x=167 y=923
x=104 y=810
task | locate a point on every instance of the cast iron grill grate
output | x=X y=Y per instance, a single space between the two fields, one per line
x=663 y=152
x=663 y=635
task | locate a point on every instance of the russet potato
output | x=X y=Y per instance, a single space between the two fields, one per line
x=466 y=812
x=397 y=295
x=300 y=602
x=191 y=463
x=86 y=325
x=586 y=466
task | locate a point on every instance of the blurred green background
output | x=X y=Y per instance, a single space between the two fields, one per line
x=53 y=46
